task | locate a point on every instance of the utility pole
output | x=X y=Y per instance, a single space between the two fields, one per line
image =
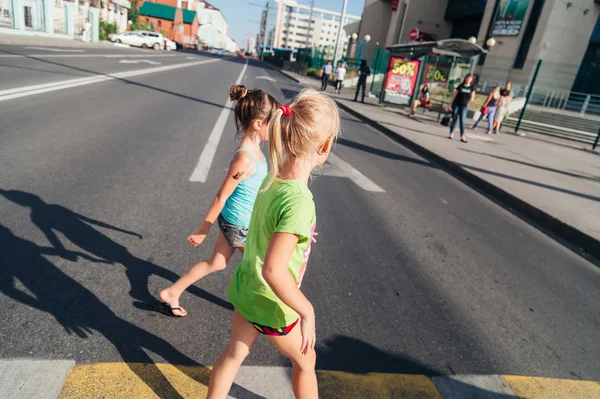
x=312 y=5
x=337 y=41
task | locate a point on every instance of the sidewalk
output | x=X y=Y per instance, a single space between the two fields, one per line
x=554 y=182
x=50 y=379
x=42 y=41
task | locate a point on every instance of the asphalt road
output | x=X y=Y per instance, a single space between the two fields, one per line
x=428 y=277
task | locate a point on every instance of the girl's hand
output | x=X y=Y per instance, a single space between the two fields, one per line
x=196 y=238
x=309 y=335
x=313 y=237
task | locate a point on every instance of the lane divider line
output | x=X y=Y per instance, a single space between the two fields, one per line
x=66 y=84
x=200 y=172
x=83 y=55
x=342 y=168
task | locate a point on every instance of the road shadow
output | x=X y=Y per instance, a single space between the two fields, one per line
x=81 y=313
x=367 y=370
x=122 y=80
x=77 y=228
x=383 y=153
x=532 y=165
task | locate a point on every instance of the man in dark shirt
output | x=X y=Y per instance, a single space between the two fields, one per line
x=363 y=73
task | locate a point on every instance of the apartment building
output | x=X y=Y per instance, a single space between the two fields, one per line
x=298 y=26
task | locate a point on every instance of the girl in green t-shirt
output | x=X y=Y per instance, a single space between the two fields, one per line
x=232 y=206
x=265 y=289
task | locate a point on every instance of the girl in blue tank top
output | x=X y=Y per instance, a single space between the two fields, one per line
x=232 y=207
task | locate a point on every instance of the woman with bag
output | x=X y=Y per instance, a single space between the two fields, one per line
x=463 y=95
x=489 y=109
x=423 y=100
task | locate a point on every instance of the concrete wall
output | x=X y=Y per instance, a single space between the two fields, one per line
x=427 y=16
x=499 y=63
x=376 y=20
x=565 y=42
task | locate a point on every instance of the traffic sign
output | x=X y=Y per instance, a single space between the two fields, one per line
x=413 y=34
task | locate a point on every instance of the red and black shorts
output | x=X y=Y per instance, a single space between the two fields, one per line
x=274 y=331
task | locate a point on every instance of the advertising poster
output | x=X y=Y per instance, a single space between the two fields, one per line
x=510 y=17
x=401 y=80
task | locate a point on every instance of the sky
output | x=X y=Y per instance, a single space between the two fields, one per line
x=244 y=18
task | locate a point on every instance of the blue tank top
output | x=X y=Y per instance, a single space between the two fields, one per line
x=238 y=207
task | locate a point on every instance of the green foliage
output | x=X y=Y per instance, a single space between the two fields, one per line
x=106 y=29
x=312 y=72
x=141 y=25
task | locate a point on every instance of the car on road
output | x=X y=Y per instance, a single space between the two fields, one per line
x=156 y=39
x=134 y=39
x=240 y=54
x=217 y=51
x=170 y=44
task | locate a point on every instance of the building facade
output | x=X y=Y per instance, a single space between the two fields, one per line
x=561 y=33
x=214 y=29
x=58 y=18
x=299 y=26
x=177 y=24
x=115 y=11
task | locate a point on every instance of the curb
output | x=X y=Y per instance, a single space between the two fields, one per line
x=561 y=229
x=573 y=236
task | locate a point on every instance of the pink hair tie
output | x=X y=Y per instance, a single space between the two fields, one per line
x=285 y=109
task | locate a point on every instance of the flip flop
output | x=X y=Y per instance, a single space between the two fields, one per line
x=166 y=309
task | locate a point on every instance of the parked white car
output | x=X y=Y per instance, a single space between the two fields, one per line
x=134 y=39
x=217 y=51
x=157 y=41
x=170 y=44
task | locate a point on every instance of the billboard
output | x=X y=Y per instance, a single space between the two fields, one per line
x=510 y=16
x=401 y=80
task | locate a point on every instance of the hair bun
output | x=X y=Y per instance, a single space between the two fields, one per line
x=237 y=92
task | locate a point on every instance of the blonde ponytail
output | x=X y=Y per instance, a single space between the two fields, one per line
x=300 y=128
x=276 y=153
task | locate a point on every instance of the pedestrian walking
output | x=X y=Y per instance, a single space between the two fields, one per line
x=265 y=289
x=462 y=96
x=325 y=75
x=489 y=109
x=232 y=207
x=87 y=30
x=506 y=96
x=340 y=74
x=423 y=100
x=363 y=73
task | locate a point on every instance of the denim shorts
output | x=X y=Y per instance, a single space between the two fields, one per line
x=235 y=235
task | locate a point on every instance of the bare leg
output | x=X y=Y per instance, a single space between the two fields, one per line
x=243 y=336
x=304 y=377
x=221 y=255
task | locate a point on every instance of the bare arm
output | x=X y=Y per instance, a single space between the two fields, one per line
x=473 y=93
x=241 y=168
x=487 y=100
x=277 y=275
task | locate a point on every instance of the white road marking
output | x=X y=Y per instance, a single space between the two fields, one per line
x=473 y=386
x=33 y=378
x=85 y=55
x=337 y=167
x=139 y=61
x=191 y=58
x=66 y=84
x=121 y=45
x=208 y=153
x=58 y=50
x=266 y=78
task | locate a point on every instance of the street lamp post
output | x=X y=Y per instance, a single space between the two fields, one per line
x=374 y=65
x=367 y=38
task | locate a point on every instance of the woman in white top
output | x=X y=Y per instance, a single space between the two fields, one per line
x=340 y=73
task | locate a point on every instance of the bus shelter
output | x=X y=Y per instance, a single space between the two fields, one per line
x=441 y=65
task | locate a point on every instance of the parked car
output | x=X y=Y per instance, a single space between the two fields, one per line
x=170 y=44
x=135 y=39
x=217 y=51
x=156 y=39
x=240 y=54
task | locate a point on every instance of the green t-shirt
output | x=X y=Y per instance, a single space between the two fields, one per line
x=286 y=207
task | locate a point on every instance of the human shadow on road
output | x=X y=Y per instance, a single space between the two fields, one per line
x=354 y=356
x=77 y=228
x=80 y=312
x=382 y=153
